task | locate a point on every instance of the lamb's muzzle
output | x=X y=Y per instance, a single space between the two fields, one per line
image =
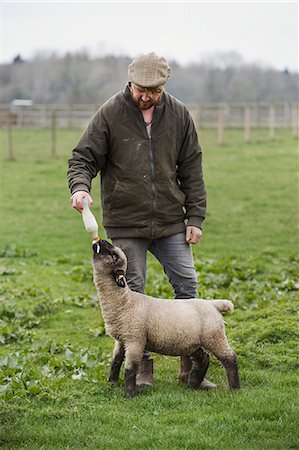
x=172 y=327
x=102 y=246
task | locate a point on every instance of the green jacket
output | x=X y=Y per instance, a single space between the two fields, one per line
x=149 y=185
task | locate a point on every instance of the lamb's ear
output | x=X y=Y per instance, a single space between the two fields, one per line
x=119 y=277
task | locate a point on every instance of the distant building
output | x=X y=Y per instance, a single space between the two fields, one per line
x=19 y=103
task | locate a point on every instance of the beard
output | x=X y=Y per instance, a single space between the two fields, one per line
x=144 y=105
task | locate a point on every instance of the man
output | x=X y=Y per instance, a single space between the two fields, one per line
x=144 y=144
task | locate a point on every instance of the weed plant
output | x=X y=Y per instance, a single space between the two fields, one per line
x=55 y=354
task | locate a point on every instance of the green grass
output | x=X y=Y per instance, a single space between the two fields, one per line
x=54 y=354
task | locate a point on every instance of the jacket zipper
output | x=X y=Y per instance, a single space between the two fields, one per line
x=154 y=181
x=154 y=187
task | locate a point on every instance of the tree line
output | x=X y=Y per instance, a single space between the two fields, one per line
x=76 y=78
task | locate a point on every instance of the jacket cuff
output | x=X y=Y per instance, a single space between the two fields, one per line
x=79 y=187
x=195 y=221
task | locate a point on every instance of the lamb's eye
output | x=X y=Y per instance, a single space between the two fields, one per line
x=114 y=257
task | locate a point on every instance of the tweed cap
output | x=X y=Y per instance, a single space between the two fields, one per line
x=149 y=70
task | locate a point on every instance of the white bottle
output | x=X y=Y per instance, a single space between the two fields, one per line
x=89 y=220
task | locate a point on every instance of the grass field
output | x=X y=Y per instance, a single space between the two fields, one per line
x=55 y=355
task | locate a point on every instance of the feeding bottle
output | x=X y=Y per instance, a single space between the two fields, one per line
x=89 y=220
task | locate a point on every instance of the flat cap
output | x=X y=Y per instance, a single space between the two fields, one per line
x=149 y=70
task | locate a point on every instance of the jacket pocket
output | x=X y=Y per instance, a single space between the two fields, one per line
x=129 y=204
x=170 y=201
x=175 y=195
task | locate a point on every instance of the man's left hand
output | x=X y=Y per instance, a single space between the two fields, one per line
x=193 y=234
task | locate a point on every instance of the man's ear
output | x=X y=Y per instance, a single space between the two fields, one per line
x=119 y=277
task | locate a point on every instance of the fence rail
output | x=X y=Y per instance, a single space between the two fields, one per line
x=40 y=116
x=211 y=115
x=281 y=115
x=217 y=116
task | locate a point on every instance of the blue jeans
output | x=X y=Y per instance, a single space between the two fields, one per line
x=175 y=256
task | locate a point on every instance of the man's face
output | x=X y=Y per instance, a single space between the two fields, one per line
x=145 y=98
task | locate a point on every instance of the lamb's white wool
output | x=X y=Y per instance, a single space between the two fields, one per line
x=172 y=327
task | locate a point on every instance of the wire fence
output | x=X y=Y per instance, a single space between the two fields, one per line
x=217 y=116
x=260 y=115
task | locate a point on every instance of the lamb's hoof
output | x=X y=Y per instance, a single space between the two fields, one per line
x=113 y=379
x=207 y=385
x=145 y=378
x=130 y=393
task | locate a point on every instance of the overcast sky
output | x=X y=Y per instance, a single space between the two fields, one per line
x=263 y=32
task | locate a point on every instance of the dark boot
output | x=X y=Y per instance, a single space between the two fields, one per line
x=145 y=374
x=206 y=384
x=186 y=365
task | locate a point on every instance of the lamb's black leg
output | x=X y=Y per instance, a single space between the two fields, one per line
x=231 y=366
x=130 y=380
x=200 y=363
x=134 y=351
x=118 y=357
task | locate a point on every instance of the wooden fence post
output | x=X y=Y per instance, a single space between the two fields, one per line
x=70 y=116
x=43 y=116
x=247 y=123
x=199 y=111
x=286 y=119
x=9 y=136
x=294 y=120
x=271 y=121
x=53 y=133
x=220 y=126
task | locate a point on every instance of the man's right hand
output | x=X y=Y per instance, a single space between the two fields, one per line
x=77 y=198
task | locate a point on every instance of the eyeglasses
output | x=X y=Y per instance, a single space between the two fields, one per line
x=150 y=92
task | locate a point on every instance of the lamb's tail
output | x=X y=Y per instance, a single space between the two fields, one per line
x=222 y=305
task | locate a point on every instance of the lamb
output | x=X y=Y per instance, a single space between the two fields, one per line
x=139 y=322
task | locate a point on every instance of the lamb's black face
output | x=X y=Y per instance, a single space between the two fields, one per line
x=102 y=248
x=109 y=260
x=109 y=255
